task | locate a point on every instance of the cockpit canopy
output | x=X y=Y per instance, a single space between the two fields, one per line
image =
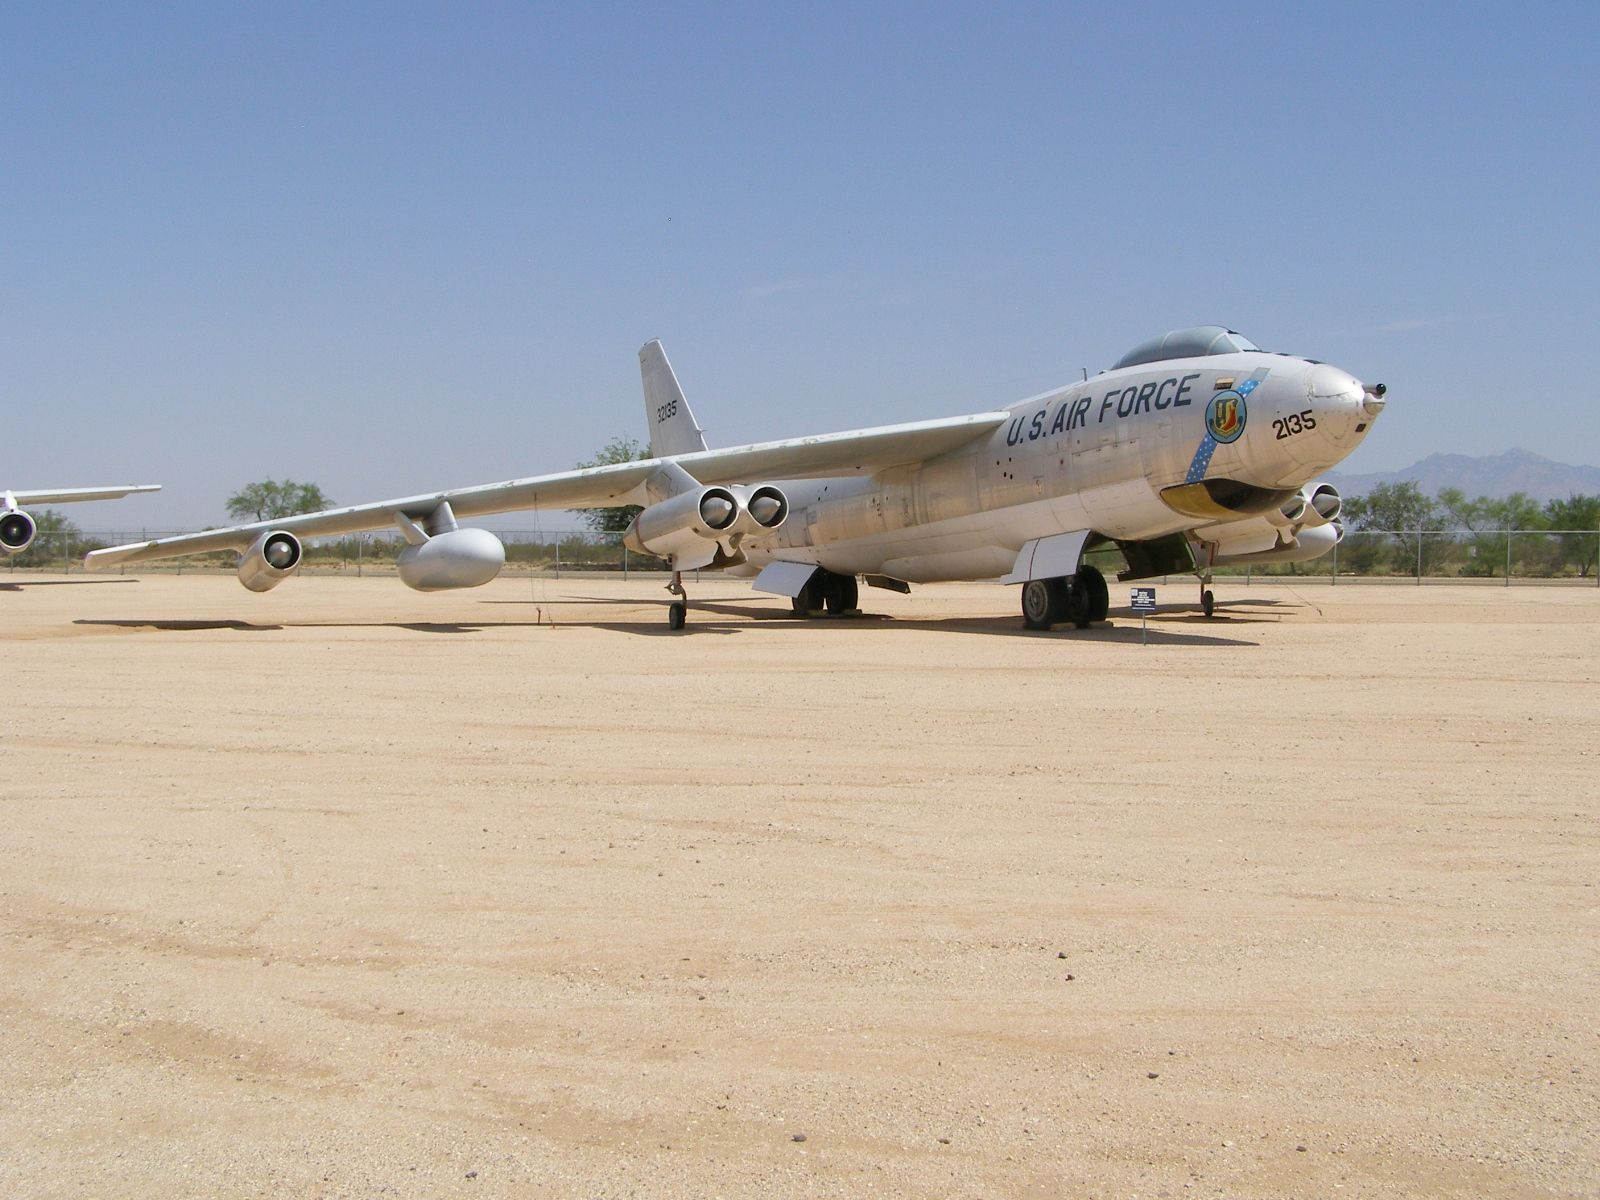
x=1195 y=342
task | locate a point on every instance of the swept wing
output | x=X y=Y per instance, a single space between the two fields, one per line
x=858 y=452
x=72 y=495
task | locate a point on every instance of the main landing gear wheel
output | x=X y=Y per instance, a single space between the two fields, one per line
x=1075 y=600
x=1208 y=602
x=810 y=599
x=839 y=593
x=1043 y=602
x=1094 y=585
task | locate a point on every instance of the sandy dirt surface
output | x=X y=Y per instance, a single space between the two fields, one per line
x=349 y=891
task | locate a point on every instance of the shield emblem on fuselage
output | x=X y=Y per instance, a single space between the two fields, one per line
x=1225 y=416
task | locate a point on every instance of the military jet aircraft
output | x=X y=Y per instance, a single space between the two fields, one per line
x=1197 y=449
x=18 y=527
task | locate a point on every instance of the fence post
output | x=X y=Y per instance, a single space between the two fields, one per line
x=558 y=556
x=624 y=563
x=1333 y=576
x=1508 y=557
x=1419 y=553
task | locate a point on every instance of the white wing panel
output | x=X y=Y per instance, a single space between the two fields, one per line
x=73 y=495
x=859 y=452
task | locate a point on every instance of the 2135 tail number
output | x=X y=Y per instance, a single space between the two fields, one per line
x=1300 y=422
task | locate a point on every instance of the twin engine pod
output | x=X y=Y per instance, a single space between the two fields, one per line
x=17 y=531
x=689 y=529
x=1313 y=505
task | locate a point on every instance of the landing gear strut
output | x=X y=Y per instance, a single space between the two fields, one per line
x=678 y=610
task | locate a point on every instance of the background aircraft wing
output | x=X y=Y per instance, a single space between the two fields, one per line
x=71 y=495
x=855 y=453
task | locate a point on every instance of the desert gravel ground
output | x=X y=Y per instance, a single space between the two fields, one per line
x=349 y=891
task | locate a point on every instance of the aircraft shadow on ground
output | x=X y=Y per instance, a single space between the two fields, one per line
x=1126 y=630
x=13 y=586
x=724 y=618
x=250 y=627
x=181 y=626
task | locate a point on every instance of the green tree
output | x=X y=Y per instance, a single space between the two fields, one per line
x=1393 y=507
x=269 y=500
x=613 y=520
x=1574 y=515
x=1398 y=513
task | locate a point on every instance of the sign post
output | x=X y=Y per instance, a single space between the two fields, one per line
x=1144 y=603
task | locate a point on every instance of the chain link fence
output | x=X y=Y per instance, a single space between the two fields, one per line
x=1415 y=555
x=1418 y=556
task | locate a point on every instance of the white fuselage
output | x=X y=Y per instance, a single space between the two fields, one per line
x=1096 y=455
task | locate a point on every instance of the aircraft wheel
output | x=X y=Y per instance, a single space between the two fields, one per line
x=1076 y=603
x=1044 y=602
x=839 y=593
x=1208 y=602
x=810 y=598
x=677 y=614
x=1094 y=585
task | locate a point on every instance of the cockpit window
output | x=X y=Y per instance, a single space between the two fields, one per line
x=1194 y=342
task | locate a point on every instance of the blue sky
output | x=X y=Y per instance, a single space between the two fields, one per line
x=395 y=247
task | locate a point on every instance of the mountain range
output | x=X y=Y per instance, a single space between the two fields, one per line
x=1494 y=475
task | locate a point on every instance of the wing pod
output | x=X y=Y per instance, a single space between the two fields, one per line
x=17 y=531
x=462 y=558
x=686 y=528
x=440 y=555
x=271 y=559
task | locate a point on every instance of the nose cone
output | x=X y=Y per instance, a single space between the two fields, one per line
x=1334 y=391
x=1343 y=410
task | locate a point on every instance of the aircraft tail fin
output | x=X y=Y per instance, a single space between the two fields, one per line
x=673 y=429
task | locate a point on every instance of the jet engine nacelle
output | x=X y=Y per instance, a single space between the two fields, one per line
x=1323 y=504
x=17 y=531
x=1310 y=541
x=685 y=528
x=271 y=559
x=460 y=558
x=761 y=509
x=1315 y=504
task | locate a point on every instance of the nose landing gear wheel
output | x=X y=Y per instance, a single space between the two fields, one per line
x=677 y=614
x=1207 y=602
